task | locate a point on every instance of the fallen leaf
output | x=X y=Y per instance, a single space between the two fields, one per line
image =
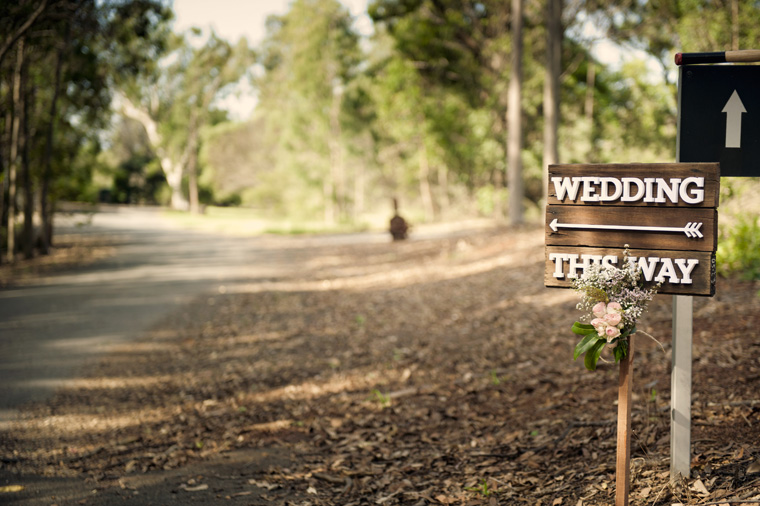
x=11 y=488
x=754 y=467
x=196 y=488
x=699 y=487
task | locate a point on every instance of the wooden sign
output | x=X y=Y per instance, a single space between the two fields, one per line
x=666 y=213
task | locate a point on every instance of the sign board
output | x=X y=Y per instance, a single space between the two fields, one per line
x=719 y=117
x=665 y=213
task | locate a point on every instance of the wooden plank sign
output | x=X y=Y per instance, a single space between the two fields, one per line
x=666 y=213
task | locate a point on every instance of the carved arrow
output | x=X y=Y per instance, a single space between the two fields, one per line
x=691 y=229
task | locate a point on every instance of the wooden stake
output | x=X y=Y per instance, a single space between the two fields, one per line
x=625 y=387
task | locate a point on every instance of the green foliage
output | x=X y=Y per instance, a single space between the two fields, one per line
x=739 y=248
x=481 y=488
x=381 y=398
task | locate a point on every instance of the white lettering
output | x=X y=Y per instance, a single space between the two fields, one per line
x=696 y=196
x=627 y=197
x=686 y=265
x=586 y=261
x=649 y=183
x=650 y=190
x=667 y=271
x=589 y=189
x=605 y=196
x=565 y=186
x=671 y=191
x=559 y=266
x=647 y=266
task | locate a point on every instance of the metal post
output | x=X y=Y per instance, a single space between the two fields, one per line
x=680 y=379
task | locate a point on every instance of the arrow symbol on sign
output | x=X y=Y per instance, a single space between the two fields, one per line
x=691 y=229
x=734 y=109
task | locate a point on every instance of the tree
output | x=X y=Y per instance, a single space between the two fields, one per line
x=554 y=35
x=176 y=103
x=310 y=56
x=514 y=118
x=53 y=117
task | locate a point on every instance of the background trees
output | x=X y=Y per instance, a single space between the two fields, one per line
x=57 y=58
x=418 y=111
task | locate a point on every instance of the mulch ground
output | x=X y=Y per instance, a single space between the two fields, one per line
x=419 y=372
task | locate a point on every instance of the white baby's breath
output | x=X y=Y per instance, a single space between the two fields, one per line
x=604 y=283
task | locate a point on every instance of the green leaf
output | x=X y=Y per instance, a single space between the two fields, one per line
x=592 y=356
x=621 y=350
x=583 y=328
x=585 y=344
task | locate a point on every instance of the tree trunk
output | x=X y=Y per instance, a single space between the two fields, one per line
x=588 y=109
x=551 y=89
x=514 y=119
x=443 y=184
x=14 y=149
x=191 y=164
x=328 y=194
x=47 y=171
x=735 y=25
x=26 y=177
x=424 y=174
x=337 y=168
x=4 y=166
x=173 y=169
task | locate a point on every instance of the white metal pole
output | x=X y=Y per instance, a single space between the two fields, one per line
x=680 y=368
x=680 y=381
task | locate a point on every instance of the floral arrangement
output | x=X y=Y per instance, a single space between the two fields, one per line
x=614 y=296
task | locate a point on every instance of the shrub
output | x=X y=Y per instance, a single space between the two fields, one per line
x=739 y=249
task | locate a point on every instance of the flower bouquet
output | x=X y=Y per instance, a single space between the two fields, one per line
x=615 y=297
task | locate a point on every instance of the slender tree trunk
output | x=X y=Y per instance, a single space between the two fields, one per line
x=514 y=119
x=4 y=165
x=735 y=25
x=360 y=171
x=337 y=168
x=424 y=174
x=551 y=88
x=47 y=171
x=588 y=109
x=192 y=180
x=191 y=166
x=443 y=183
x=26 y=175
x=14 y=149
x=328 y=193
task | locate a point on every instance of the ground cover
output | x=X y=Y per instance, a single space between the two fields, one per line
x=433 y=371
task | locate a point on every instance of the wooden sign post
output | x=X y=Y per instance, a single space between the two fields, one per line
x=665 y=213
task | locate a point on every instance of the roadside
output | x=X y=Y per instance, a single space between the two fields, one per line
x=434 y=371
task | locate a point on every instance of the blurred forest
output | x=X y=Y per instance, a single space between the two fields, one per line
x=453 y=107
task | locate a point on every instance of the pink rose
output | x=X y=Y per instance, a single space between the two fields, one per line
x=614 y=307
x=612 y=319
x=599 y=325
x=612 y=333
x=600 y=309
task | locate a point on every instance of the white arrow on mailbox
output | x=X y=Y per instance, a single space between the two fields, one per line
x=734 y=109
x=691 y=229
